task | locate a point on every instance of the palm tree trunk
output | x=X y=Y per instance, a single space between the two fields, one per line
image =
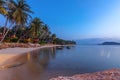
x=16 y=30
x=5 y=26
x=42 y=34
x=23 y=36
x=6 y=33
x=20 y=37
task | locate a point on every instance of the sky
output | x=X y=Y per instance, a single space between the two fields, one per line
x=78 y=19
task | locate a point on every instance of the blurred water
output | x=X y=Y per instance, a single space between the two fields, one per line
x=50 y=62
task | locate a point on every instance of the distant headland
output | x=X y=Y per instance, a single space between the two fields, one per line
x=110 y=43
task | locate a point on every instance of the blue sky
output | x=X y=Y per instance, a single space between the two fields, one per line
x=77 y=19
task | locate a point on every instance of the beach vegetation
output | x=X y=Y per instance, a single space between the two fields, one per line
x=21 y=27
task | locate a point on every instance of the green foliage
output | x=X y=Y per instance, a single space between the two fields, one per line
x=2 y=7
x=63 y=42
x=42 y=42
x=35 y=28
x=17 y=14
x=1 y=29
x=23 y=41
x=15 y=39
x=7 y=39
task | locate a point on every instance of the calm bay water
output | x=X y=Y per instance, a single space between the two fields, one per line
x=50 y=62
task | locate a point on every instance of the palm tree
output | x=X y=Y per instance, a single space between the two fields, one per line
x=45 y=31
x=21 y=11
x=18 y=13
x=2 y=8
x=3 y=11
x=48 y=36
x=53 y=37
x=35 y=28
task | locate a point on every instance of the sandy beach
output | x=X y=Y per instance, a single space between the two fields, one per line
x=8 y=53
x=111 y=74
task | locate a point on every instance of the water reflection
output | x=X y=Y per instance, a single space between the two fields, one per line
x=47 y=63
x=35 y=64
x=105 y=53
x=39 y=60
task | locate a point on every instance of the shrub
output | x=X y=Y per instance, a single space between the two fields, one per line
x=15 y=39
x=42 y=42
x=24 y=41
x=7 y=39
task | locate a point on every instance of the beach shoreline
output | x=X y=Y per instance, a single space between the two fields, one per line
x=110 y=74
x=8 y=53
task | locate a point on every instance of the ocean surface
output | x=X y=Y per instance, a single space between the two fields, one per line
x=47 y=63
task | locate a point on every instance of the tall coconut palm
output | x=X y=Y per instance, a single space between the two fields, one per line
x=45 y=31
x=53 y=37
x=48 y=36
x=35 y=27
x=19 y=13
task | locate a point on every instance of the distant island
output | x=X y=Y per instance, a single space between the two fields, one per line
x=110 y=43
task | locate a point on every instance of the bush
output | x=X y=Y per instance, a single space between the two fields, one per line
x=7 y=39
x=15 y=39
x=42 y=42
x=24 y=41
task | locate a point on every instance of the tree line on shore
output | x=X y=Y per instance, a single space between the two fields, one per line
x=21 y=27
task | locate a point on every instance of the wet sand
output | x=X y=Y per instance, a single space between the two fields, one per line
x=8 y=53
x=27 y=66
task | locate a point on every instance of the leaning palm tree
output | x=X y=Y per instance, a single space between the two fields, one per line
x=19 y=14
x=3 y=11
